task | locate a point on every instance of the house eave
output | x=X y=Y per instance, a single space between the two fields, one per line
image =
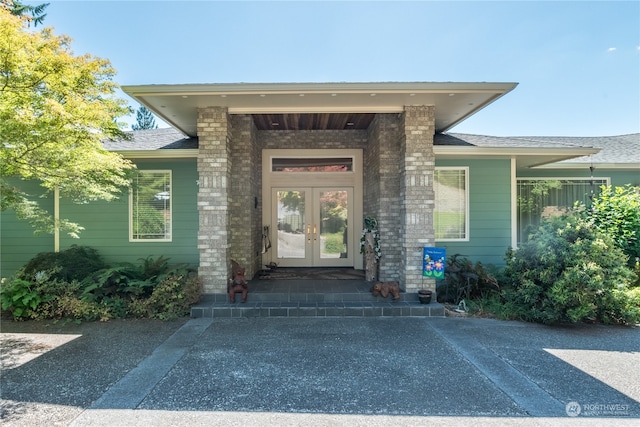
x=526 y=157
x=582 y=165
x=454 y=102
x=158 y=154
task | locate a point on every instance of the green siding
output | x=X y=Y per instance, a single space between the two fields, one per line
x=489 y=211
x=18 y=243
x=107 y=225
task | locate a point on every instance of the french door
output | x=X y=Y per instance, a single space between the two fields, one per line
x=314 y=226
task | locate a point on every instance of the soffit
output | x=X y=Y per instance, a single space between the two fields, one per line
x=330 y=104
x=526 y=158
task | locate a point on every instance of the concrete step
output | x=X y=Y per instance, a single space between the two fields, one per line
x=314 y=305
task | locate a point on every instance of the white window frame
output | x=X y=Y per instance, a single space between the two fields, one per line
x=466 y=203
x=548 y=178
x=131 y=220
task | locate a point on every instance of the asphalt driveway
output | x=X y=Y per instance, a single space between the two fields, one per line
x=313 y=371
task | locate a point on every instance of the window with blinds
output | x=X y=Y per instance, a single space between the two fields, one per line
x=544 y=197
x=150 y=207
x=451 y=213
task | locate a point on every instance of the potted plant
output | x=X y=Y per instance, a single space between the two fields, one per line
x=424 y=296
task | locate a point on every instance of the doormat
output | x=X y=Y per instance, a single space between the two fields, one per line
x=304 y=273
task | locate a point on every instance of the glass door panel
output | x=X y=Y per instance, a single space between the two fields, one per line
x=332 y=213
x=312 y=227
x=334 y=232
x=292 y=224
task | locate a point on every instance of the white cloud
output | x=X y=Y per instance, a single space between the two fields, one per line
x=612 y=49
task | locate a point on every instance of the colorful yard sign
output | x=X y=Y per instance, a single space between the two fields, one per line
x=433 y=262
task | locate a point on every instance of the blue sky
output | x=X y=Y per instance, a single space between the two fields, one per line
x=577 y=62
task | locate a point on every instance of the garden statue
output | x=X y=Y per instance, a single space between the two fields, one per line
x=238 y=283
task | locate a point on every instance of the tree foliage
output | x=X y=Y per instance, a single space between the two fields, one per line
x=616 y=212
x=33 y=14
x=144 y=119
x=55 y=109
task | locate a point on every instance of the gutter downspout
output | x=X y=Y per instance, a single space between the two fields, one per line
x=56 y=219
x=514 y=205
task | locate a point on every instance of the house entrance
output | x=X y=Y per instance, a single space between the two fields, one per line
x=312 y=226
x=313 y=205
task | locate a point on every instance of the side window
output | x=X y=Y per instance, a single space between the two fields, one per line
x=451 y=214
x=150 y=207
x=544 y=197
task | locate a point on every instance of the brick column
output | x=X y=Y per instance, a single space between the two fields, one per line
x=214 y=169
x=416 y=190
x=245 y=217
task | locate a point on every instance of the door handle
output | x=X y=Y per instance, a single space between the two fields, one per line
x=315 y=234
x=309 y=233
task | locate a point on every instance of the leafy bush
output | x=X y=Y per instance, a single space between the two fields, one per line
x=20 y=298
x=151 y=289
x=569 y=271
x=174 y=295
x=465 y=280
x=74 y=263
x=616 y=212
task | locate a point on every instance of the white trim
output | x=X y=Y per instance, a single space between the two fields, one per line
x=466 y=203
x=170 y=239
x=320 y=88
x=352 y=179
x=158 y=154
x=314 y=109
x=444 y=150
x=585 y=165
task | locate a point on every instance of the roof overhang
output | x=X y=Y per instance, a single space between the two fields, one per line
x=609 y=166
x=178 y=104
x=525 y=157
x=158 y=154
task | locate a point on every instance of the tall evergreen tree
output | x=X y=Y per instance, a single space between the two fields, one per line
x=145 y=119
x=33 y=14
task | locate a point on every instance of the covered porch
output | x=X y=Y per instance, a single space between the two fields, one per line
x=392 y=125
x=339 y=294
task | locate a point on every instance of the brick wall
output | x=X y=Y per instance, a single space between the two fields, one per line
x=416 y=189
x=398 y=188
x=245 y=186
x=382 y=190
x=312 y=139
x=214 y=169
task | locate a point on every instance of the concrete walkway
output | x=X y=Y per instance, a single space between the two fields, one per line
x=332 y=371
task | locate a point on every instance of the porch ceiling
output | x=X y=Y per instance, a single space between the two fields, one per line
x=313 y=121
x=310 y=106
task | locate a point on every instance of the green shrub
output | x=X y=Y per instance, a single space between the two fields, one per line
x=616 y=212
x=74 y=263
x=19 y=298
x=173 y=296
x=151 y=289
x=569 y=271
x=465 y=280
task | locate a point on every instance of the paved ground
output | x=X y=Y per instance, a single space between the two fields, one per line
x=338 y=371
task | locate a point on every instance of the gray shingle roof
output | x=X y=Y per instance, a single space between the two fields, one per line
x=621 y=149
x=153 y=139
